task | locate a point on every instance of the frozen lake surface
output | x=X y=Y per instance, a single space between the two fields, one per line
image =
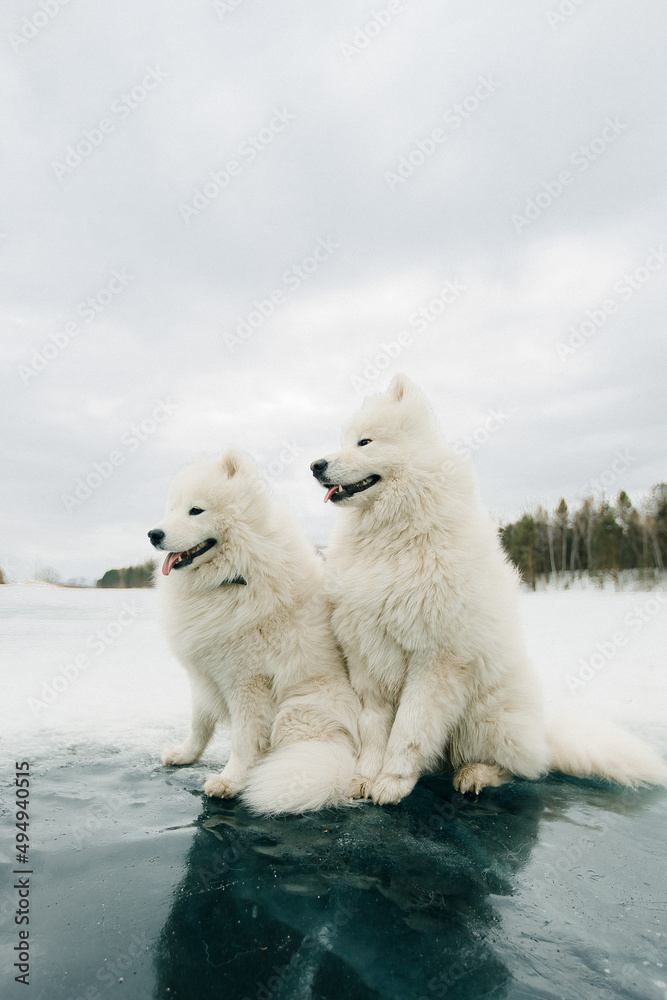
x=144 y=889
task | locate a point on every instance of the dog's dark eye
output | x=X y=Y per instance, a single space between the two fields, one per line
x=363 y=441
x=195 y=510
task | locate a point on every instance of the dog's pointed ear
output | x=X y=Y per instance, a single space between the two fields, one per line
x=231 y=460
x=399 y=387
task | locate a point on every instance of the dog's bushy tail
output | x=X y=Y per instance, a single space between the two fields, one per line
x=587 y=747
x=301 y=777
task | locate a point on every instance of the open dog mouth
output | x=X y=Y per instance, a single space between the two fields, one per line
x=337 y=492
x=176 y=560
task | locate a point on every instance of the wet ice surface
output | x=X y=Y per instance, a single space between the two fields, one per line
x=537 y=889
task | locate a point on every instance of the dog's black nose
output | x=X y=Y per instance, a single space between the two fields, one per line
x=319 y=466
x=156 y=535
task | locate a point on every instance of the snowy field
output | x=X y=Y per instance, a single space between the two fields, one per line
x=92 y=664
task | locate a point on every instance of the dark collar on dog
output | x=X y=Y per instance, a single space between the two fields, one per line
x=237 y=579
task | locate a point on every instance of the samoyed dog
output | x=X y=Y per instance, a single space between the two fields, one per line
x=241 y=597
x=426 y=613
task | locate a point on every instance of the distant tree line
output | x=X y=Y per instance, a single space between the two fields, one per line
x=130 y=576
x=597 y=536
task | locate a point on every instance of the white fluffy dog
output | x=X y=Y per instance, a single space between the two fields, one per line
x=242 y=600
x=425 y=610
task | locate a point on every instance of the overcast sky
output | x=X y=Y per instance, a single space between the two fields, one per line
x=217 y=216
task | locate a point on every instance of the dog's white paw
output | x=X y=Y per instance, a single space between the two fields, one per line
x=475 y=777
x=360 y=787
x=178 y=755
x=389 y=789
x=221 y=788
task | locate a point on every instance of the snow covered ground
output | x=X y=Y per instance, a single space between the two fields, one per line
x=625 y=580
x=93 y=665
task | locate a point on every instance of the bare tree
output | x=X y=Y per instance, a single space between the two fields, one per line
x=47 y=574
x=562 y=515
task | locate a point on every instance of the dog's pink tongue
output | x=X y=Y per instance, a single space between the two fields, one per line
x=168 y=564
x=330 y=493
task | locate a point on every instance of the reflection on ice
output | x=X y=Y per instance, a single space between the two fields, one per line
x=373 y=902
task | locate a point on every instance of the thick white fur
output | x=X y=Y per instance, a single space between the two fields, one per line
x=260 y=657
x=426 y=612
x=586 y=746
